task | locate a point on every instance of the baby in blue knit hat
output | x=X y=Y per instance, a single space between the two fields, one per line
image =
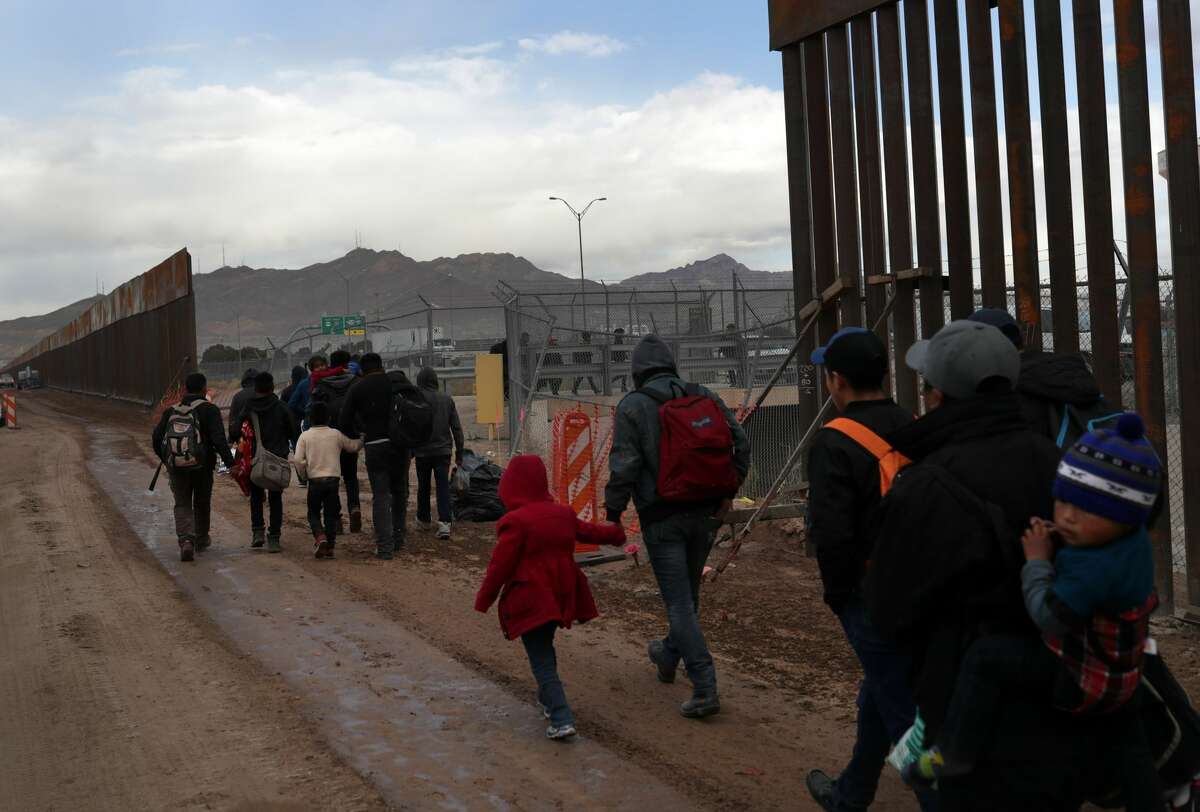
x=1091 y=600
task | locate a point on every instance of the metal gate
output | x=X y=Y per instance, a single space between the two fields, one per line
x=859 y=99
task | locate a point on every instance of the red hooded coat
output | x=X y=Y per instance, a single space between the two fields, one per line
x=533 y=567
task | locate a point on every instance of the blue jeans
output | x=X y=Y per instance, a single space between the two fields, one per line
x=886 y=710
x=678 y=547
x=439 y=469
x=539 y=645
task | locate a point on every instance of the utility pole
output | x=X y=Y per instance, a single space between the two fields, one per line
x=579 y=222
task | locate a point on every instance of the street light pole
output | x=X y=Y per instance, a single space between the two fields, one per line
x=579 y=222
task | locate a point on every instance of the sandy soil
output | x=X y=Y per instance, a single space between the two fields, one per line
x=788 y=678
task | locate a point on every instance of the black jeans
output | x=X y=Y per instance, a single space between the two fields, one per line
x=678 y=548
x=539 y=645
x=275 y=501
x=323 y=499
x=387 y=469
x=193 y=502
x=350 y=477
x=886 y=710
x=437 y=468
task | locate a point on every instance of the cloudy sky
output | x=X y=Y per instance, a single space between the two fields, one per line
x=276 y=131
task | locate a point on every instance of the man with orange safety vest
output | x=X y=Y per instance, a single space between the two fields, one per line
x=850 y=467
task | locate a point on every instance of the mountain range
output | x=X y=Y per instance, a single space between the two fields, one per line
x=257 y=304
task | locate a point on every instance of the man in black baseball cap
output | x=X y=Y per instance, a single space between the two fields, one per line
x=844 y=489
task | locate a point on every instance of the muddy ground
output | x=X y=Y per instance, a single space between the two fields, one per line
x=185 y=719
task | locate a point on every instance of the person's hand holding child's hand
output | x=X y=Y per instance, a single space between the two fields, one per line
x=1037 y=542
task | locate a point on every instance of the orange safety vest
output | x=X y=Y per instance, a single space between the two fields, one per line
x=890 y=460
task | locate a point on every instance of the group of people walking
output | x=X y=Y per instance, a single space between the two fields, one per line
x=330 y=413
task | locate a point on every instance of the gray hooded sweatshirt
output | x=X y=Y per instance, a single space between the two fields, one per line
x=633 y=463
x=446 y=425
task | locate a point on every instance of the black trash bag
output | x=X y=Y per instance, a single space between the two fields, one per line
x=476 y=489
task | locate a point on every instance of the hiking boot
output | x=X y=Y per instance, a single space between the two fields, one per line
x=663 y=663
x=187 y=550
x=702 y=703
x=320 y=546
x=258 y=538
x=356 y=521
x=424 y=526
x=273 y=545
x=203 y=543
x=443 y=530
x=383 y=555
x=397 y=541
x=820 y=787
x=561 y=732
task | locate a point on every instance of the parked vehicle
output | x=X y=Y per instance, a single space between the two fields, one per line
x=7 y=382
x=28 y=379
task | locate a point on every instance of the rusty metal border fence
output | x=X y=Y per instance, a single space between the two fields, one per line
x=135 y=344
x=837 y=53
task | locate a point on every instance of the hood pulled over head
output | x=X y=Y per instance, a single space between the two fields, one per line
x=248 y=378
x=299 y=373
x=427 y=378
x=651 y=353
x=524 y=482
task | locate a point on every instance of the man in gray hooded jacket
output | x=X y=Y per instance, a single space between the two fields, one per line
x=678 y=535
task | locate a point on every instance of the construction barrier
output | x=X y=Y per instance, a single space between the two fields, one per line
x=574 y=469
x=8 y=409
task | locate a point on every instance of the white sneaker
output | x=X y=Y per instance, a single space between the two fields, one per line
x=443 y=530
x=424 y=527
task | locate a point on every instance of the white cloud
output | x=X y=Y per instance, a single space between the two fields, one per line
x=442 y=155
x=573 y=42
x=161 y=50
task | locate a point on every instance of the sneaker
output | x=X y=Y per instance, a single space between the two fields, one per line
x=320 y=546
x=356 y=521
x=257 y=538
x=544 y=709
x=424 y=526
x=203 y=543
x=187 y=550
x=560 y=732
x=700 y=705
x=665 y=668
x=273 y=545
x=820 y=787
x=443 y=530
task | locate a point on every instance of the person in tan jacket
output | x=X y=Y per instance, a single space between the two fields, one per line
x=318 y=458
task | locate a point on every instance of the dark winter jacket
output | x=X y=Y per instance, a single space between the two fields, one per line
x=367 y=408
x=212 y=435
x=447 y=436
x=633 y=462
x=238 y=405
x=298 y=374
x=533 y=568
x=1047 y=382
x=843 y=498
x=278 y=427
x=947 y=564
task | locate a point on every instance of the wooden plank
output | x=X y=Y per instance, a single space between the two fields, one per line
x=1097 y=199
x=796 y=125
x=870 y=182
x=895 y=167
x=986 y=140
x=924 y=152
x=820 y=162
x=1056 y=164
x=835 y=289
x=954 y=160
x=1183 y=192
x=794 y=20
x=1137 y=162
x=845 y=184
x=1021 y=203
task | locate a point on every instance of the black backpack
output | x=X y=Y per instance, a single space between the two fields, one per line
x=1068 y=423
x=332 y=392
x=410 y=424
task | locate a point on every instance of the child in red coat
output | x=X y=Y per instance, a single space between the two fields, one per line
x=534 y=573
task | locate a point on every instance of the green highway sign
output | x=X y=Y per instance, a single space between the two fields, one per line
x=332 y=325
x=344 y=325
x=355 y=325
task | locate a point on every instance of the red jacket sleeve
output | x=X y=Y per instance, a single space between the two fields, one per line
x=607 y=533
x=507 y=553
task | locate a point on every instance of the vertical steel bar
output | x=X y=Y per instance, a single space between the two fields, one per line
x=899 y=224
x=1056 y=164
x=870 y=190
x=1183 y=185
x=796 y=123
x=924 y=156
x=1138 y=169
x=845 y=183
x=1019 y=137
x=1097 y=199
x=986 y=141
x=954 y=159
x=821 y=182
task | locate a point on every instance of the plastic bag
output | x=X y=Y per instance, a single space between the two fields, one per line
x=910 y=746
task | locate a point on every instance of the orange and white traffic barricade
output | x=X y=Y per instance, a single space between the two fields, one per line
x=8 y=409
x=574 y=467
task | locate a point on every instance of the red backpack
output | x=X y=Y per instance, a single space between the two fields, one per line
x=695 y=451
